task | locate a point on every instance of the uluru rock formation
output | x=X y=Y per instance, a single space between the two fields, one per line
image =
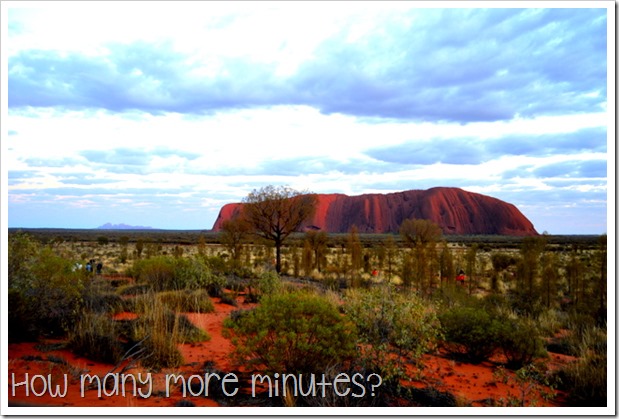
x=456 y=211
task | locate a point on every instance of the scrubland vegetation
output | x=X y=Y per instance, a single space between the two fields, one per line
x=341 y=303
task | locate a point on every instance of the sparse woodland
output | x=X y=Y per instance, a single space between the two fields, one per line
x=341 y=303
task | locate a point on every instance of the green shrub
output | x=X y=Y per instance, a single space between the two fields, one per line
x=269 y=283
x=156 y=271
x=195 y=273
x=521 y=342
x=189 y=301
x=164 y=273
x=397 y=327
x=22 y=255
x=229 y=298
x=471 y=331
x=453 y=295
x=526 y=304
x=45 y=293
x=236 y=284
x=294 y=332
x=22 y=318
x=217 y=264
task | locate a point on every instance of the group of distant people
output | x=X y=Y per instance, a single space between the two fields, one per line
x=91 y=266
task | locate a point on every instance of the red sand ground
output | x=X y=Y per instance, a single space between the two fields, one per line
x=29 y=358
x=477 y=384
x=469 y=383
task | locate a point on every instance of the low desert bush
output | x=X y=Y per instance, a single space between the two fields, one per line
x=157 y=271
x=580 y=324
x=471 y=331
x=550 y=321
x=525 y=303
x=453 y=295
x=267 y=283
x=585 y=380
x=96 y=337
x=104 y=303
x=217 y=264
x=44 y=292
x=394 y=327
x=160 y=330
x=22 y=319
x=164 y=273
x=189 y=301
x=133 y=289
x=121 y=282
x=581 y=338
x=197 y=273
x=161 y=352
x=520 y=342
x=294 y=332
x=235 y=283
x=229 y=298
x=530 y=382
x=479 y=329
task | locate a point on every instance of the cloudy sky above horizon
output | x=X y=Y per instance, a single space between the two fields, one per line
x=156 y=114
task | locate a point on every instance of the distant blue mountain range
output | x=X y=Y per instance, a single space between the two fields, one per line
x=121 y=226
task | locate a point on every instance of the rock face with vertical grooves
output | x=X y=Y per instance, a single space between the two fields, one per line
x=456 y=211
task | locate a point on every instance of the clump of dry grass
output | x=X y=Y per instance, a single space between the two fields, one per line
x=161 y=330
x=96 y=336
x=586 y=379
x=189 y=301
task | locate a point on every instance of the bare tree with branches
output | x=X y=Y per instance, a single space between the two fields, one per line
x=276 y=212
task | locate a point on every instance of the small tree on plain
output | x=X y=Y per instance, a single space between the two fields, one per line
x=139 y=247
x=448 y=272
x=233 y=234
x=422 y=236
x=390 y=255
x=274 y=213
x=355 y=250
x=528 y=268
x=317 y=242
x=500 y=263
x=417 y=231
x=471 y=266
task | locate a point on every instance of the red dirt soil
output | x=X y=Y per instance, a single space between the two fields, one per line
x=471 y=384
x=29 y=358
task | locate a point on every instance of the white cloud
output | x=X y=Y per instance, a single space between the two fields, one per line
x=356 y=89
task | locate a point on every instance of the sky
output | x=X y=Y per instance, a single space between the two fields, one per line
x=157 y=114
